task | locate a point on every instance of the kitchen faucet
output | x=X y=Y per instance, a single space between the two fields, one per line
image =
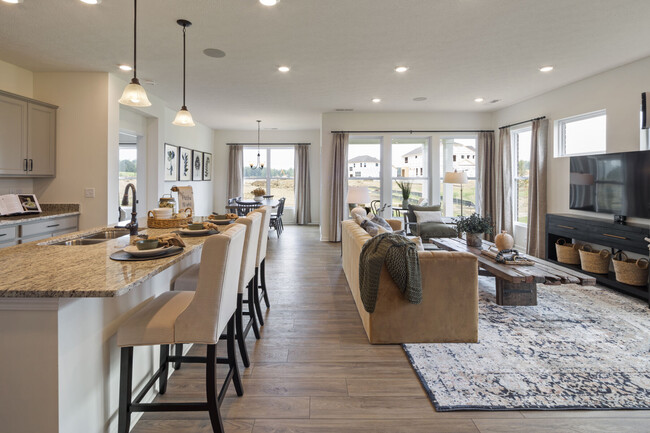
x=133 y=225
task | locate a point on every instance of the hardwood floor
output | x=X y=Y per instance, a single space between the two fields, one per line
x=313 y=370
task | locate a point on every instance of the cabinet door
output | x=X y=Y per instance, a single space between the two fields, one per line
x=13 y=136
x=41 y=148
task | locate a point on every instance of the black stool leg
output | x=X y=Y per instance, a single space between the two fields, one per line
x=232 y=357
x=126 y=379
x=263 y=282
x=239 y=322
x=256 y=290
x=164 y=365
x=179 y=352
x=251 y=309
x=211 y=389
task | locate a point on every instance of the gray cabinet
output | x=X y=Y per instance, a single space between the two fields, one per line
x=27 y=137
x=24 y=232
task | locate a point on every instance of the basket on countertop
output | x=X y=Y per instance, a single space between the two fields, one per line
x=596 y=262
x=157 y=223
x=630 y=271
x=567 y=253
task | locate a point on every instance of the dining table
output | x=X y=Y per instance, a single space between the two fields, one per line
x=265 y=202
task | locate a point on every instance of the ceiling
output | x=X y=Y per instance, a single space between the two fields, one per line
x=342 y=52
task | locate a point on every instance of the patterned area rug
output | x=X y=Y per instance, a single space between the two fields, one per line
x=579 y=348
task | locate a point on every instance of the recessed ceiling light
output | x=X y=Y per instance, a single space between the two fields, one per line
x=548 y=68
x=420 y=98
x=478 y=99
x=126 y=67
x=284 y=69
x=13 y=1
x=269 y=2
x=376 y=100
x=214 y=52
x=91 y=2
x=401 y=69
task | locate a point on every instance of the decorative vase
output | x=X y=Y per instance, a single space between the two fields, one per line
x=258 y=198
x=405 y=203
x=474 y=240
x=504 y=241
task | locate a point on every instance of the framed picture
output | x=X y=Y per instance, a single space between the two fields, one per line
x=171 y=162
x=185 y=164
x=207 y=166
x=197 y=165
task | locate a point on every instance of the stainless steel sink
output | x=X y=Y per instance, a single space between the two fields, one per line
x=81 y=241
x=108 y=234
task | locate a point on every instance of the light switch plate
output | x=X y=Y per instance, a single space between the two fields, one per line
x=89 y=192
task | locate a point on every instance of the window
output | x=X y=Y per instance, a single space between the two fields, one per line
x=364 y=154
x=521 y=144
x=582 y=134
x=407 y=167
x=458 y=154
x=128 y=155
x=277 y=176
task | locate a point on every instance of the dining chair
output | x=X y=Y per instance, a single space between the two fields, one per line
x=245 y=207
x=276 y=218
x=260 y=263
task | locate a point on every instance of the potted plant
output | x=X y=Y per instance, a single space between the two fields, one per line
x=405 y=187
x=258 y=194
x=474 y=226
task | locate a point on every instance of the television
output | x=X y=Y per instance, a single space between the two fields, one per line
x=613 y=183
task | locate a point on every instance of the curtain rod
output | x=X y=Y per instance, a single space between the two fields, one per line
x=269 y=144
x=411 y=131
x=523 y=121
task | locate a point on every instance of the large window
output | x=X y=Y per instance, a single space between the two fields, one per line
x=364 y=165
x=410 y=163
x=521 y=144
x=128 y=154
x=583 y=134
x=458 y=154
x=277 y=176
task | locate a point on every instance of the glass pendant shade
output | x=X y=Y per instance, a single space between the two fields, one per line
x=134 y=95
x=183 y=118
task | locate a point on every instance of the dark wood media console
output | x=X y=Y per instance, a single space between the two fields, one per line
x=625 y=237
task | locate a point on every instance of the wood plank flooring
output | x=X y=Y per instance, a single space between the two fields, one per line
x=313 y=371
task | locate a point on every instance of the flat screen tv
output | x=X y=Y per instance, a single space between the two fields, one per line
x=614 y=183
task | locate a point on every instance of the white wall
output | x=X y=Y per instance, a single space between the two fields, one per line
x=223 y=137
x=385 y=121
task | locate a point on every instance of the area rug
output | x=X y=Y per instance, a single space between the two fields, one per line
x=580 y=348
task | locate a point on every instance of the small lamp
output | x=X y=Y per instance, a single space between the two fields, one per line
x=457 y=178
x=358 y=196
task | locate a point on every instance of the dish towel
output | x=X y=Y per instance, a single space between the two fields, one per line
x=185 y=198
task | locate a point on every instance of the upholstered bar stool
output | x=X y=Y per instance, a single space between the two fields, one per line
x=187 y=282
x=197 y=317
x=260 y=263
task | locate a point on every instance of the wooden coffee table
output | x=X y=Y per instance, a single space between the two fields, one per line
x=516 y=284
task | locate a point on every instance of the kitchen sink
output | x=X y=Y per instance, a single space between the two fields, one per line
x=108 y=234
x=82 y=241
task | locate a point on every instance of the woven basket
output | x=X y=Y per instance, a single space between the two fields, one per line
x=594 y=261
x=567 y=253
x=630 y=271
x=156 y=223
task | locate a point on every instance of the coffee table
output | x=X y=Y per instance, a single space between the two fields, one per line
x=517 y=284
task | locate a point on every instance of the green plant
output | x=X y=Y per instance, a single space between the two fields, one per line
x=474 y=224
x=405 y=187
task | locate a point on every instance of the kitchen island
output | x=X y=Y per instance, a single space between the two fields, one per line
x=60 y=308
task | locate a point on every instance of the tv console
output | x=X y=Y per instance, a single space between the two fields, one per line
x=625 y=237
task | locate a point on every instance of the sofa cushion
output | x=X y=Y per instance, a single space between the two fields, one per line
x=382 y=222
x=372 y=228
x=435 y=230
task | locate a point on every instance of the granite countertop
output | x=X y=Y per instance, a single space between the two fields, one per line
x=48 y=211
x=40 y=270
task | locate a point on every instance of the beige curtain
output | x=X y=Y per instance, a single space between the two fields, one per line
x=503 y=167
x=235 y=171
x=339 y=185
x=487 y=176
x=302 y=186
x=537 y=189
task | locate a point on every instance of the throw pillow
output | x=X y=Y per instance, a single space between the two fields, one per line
x=413 y=208
x=417 y=241
x=372 y=228
x=358 y=211
x=359 y=218
x=382 y=222
x=428 y=216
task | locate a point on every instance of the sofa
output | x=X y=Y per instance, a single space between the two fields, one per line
x=448 y=312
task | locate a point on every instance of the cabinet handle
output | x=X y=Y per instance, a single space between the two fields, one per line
x=53 y=225
x=25 y=161
x=614 y=236
x=31 y=165
x=3 y=234
x=566 y=227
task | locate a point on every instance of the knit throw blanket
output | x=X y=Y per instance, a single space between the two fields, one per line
x=401 y=258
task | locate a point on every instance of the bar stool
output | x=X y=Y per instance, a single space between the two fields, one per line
x=188 y=317
x=260 y=264
x=187 y=282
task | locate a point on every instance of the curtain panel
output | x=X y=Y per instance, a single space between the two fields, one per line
x=487 y=176
x=302 y=184
x=537 y=189
x=339 y=185
x=235 y=171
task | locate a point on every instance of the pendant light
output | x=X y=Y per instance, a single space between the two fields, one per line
x=183 y=117
x=134 y=94
x=259 y=164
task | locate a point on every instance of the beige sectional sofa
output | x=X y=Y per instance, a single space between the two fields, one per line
x=449 y=309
